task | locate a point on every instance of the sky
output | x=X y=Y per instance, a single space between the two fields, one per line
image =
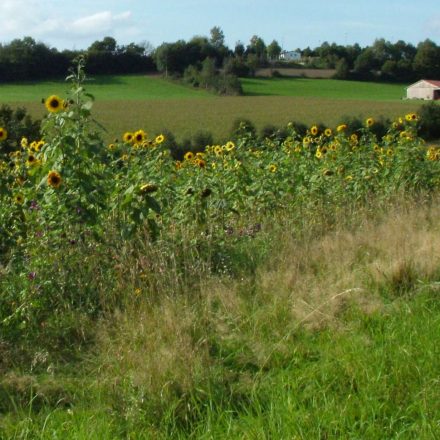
x=68 y=24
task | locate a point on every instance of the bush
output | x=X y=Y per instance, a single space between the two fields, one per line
x=201 y=139
x=18 y=125
x=429 y=121
x=242 y=128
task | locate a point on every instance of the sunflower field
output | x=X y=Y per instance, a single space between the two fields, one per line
x=67 y=192
x=90 y=230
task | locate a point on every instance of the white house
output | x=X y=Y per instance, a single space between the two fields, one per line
x=290 y=55
x=424 y=89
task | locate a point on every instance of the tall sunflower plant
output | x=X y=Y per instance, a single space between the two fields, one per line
x=70 y=181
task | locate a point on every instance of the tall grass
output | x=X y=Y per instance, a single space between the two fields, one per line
x=319 y=327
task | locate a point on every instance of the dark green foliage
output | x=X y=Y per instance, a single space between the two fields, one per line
x=430 y=121
x=272 y=132
x=26 y=59
x=201 y=139
x=18 y=125
x=208 y=77
x=241 y=128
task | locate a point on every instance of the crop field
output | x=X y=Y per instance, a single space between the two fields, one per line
x=125 y=102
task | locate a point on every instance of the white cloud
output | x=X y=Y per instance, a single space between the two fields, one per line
x=98 y=23
x=48 y=21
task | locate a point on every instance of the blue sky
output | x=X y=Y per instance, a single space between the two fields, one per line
x=68 y=24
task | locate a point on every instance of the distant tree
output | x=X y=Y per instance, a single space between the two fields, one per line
x=365 y=62
x=427 y=60
x=107 y=44
x=217 y=37
x=208 y=73
x=258 y=47
x=273 y=50
x=252 y=63
x=235 y=66
x=239 y=49
x=342 y=69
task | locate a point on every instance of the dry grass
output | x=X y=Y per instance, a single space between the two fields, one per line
x=295 y=72
x=311 y=283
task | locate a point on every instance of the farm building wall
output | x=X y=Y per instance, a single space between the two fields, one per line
x=421 y=90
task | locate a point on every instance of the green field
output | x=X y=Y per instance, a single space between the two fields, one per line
x=152 y=103
x=323 y=88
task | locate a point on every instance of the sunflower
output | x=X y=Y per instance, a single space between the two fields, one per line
x=328 y=172
x=24 y=142
x=200 y=163
x=369 y=122
x=218 y=150
x=128 y=137
x=354 y=137
x=139 y=136
x=54 y=104
x=340 y=128
x=19 y=199
x=3 y=134
x=149 y=188
x=54 y=179
x=411 y=117
x=229 y=146
x=111 y=147
x=31 y=160
x=328 y=132
x=178 y=164
x=159 y=139
x=272 y=168
x=314 y=130
x=318 y=153
x=189 y=155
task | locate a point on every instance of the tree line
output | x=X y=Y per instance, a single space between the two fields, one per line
x=26 y=59
x=206 y=61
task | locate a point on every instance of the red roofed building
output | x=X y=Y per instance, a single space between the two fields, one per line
x=424 y=89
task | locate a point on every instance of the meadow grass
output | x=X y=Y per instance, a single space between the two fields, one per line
x=332 y=334
x=130 y=102
x=185 y=117
x=104 y=88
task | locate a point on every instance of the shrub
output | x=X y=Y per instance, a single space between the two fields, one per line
x=430 y=121
x=18 y=124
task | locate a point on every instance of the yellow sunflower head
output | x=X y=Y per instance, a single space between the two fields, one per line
x=200 y=163
x=148 y=188
x=128 y=137
x=328 y=132
x=229 y=146
x=19 y=199
x=3 y=134
x=314 y=130
x=54 y=179
x=139 y=136
x=54 y=104
x=341 y=128
x=218 y=150
x=159 y=139
x=189 y=155
x=369 y=122
x=273 y=168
